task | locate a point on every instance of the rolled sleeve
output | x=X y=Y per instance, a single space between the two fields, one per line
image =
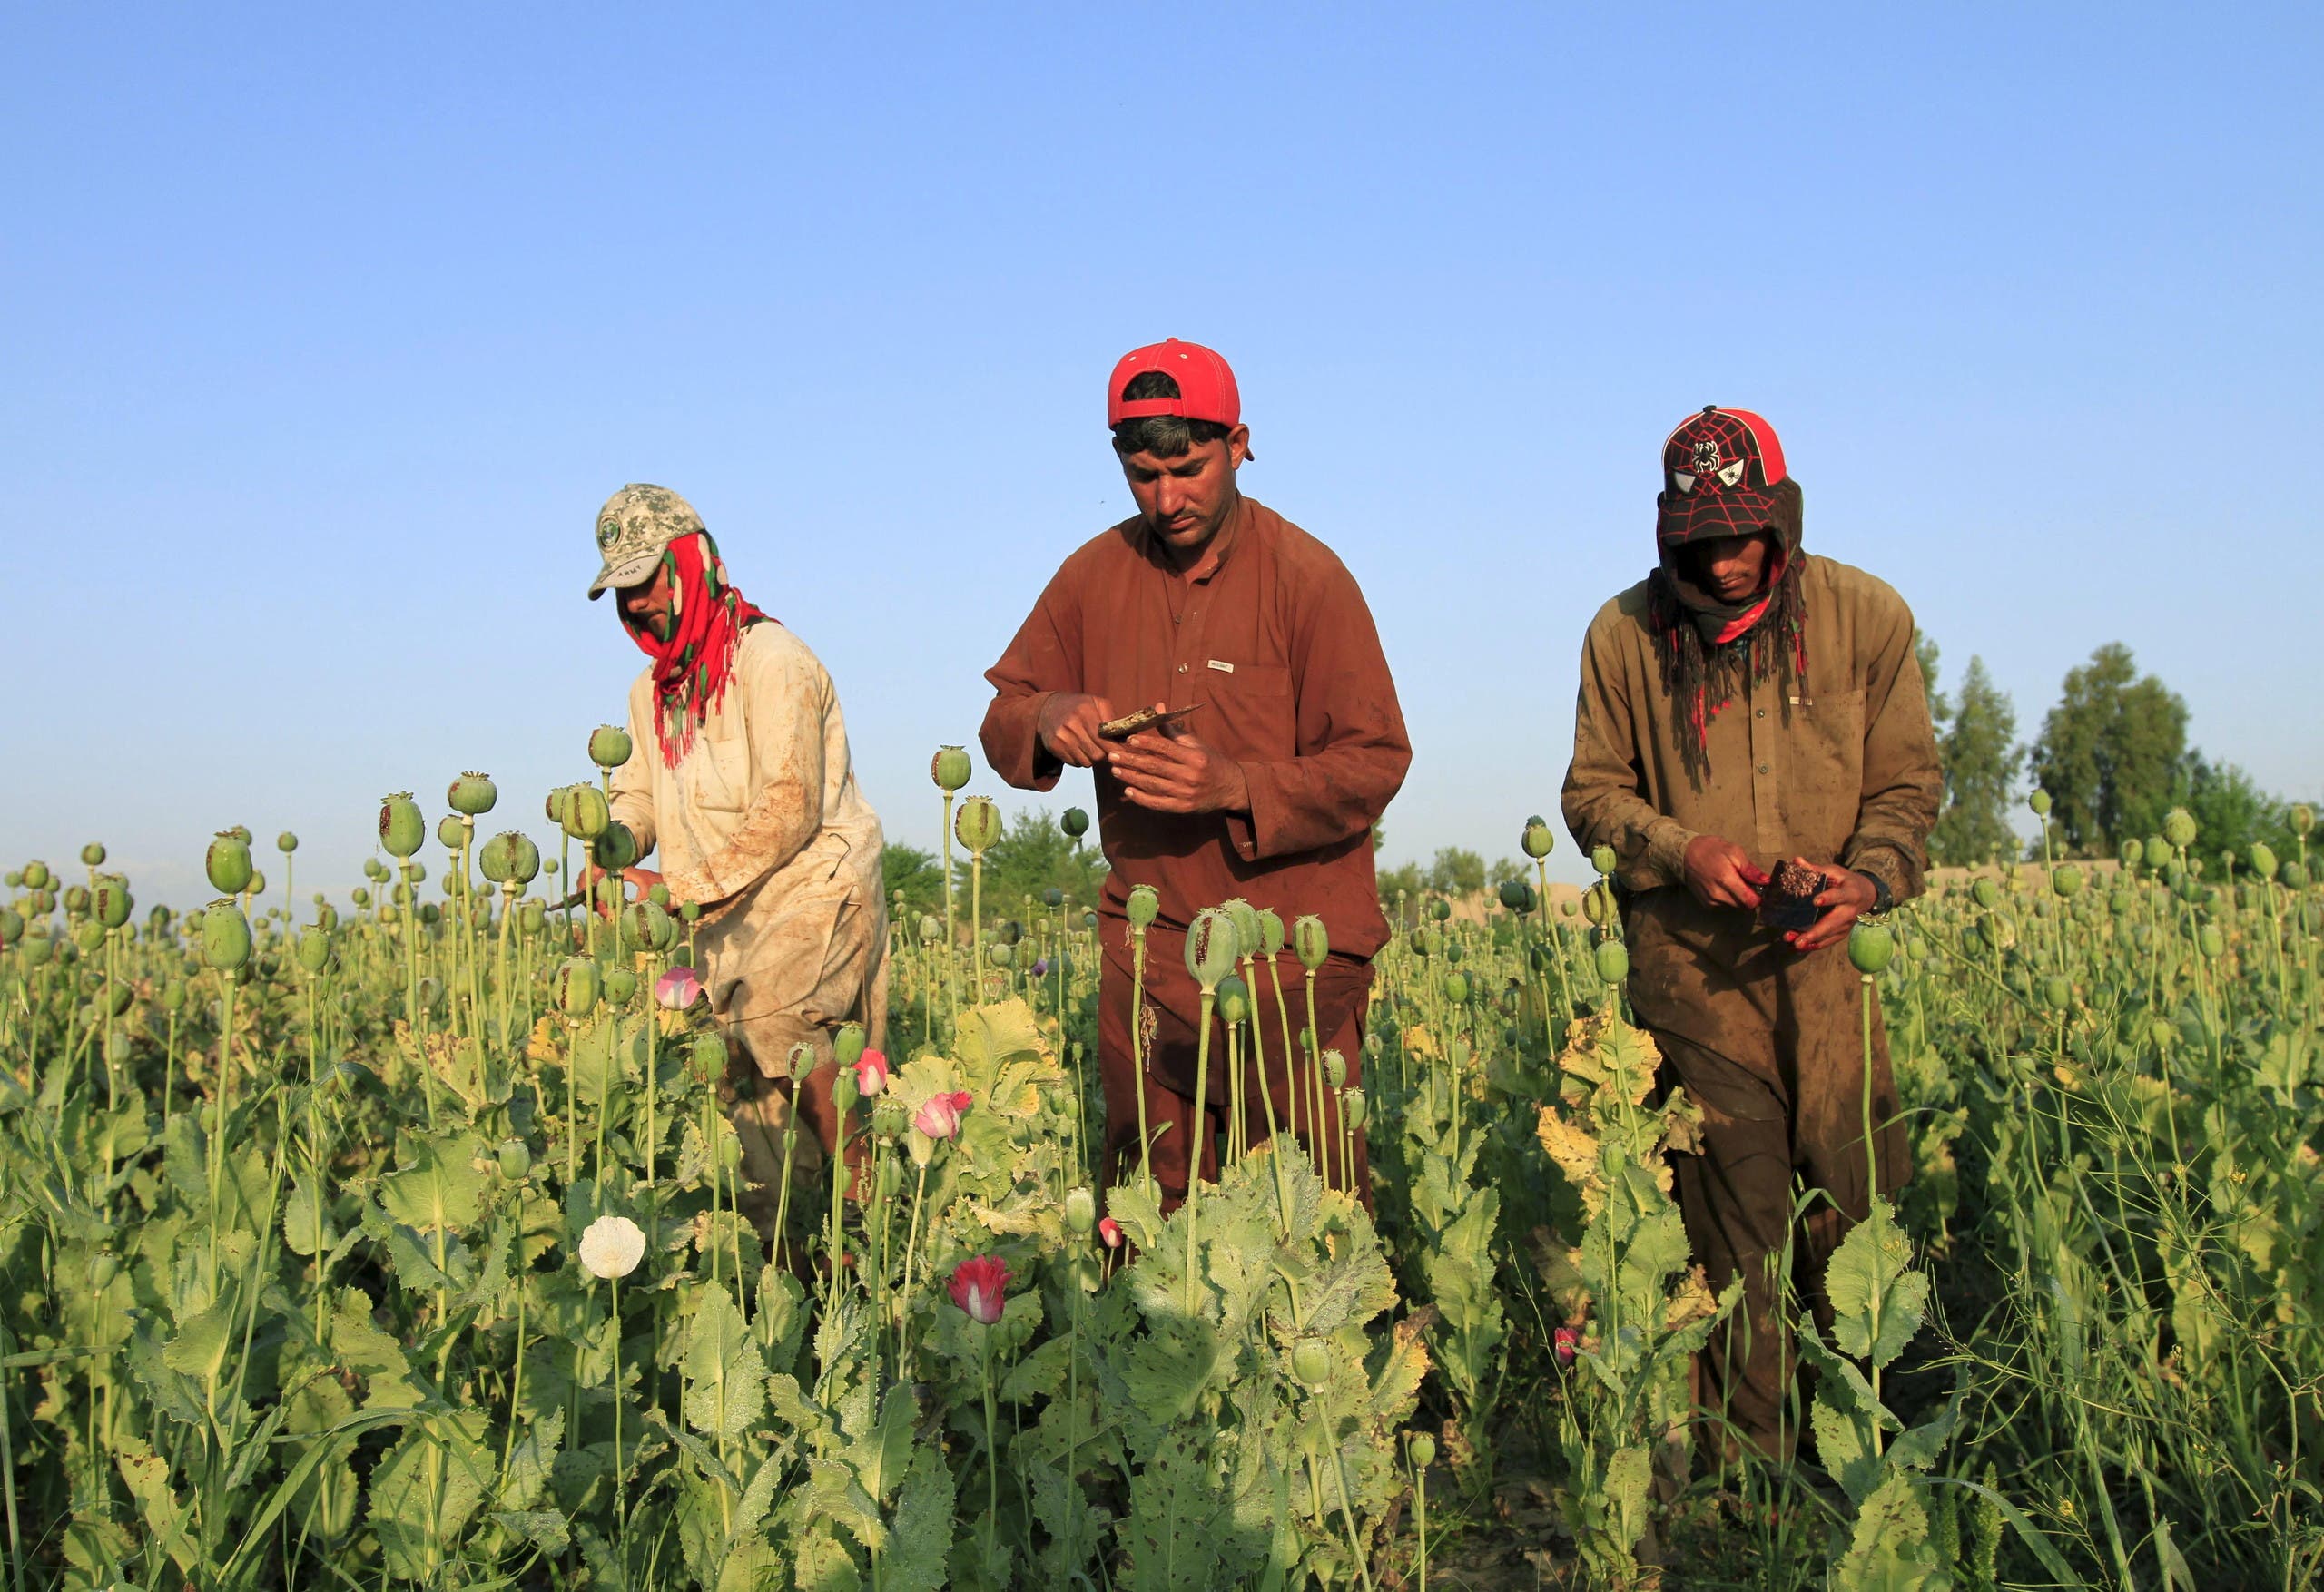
x=1602 y=799
x=1041 y=661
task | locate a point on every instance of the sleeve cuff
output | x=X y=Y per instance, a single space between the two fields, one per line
x=1666 y=841
x=1880 y=863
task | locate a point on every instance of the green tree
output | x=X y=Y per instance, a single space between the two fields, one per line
x=1406 y=879
x=2110 y=752
x=919 y=874
x=1456 y=871
x=1981 y=758
x=1033 y=856
x=2230 y=811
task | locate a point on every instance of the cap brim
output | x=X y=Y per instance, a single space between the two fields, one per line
x=1738 y=512
x=626 y=574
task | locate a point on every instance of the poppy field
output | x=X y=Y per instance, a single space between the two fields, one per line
x=400 y=1240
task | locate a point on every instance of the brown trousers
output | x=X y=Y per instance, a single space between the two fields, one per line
x=1167 y=1082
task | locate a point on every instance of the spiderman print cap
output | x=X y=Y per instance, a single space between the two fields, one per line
x=1723 y=475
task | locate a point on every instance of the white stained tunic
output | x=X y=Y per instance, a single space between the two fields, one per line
x=762 y=819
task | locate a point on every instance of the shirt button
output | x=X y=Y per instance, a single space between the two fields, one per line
x=1763 y=768
x=1182 y=668
x=1762 y=713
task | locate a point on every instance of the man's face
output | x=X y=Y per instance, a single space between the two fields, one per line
x=1186 y=499
x=647 y=604
x=1731 y=568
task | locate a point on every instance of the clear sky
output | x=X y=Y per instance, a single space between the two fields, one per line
x=328 y=328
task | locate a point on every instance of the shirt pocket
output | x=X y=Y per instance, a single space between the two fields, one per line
x=1252 y=712
x=721 y=771
x=1825 y=774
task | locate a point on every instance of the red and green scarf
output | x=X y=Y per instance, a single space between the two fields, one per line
x=693 y=663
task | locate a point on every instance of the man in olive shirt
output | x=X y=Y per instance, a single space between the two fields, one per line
x=1749 y=703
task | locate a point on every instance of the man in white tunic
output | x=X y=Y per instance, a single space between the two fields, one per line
x=740 y=777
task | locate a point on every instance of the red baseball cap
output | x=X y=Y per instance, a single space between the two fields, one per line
x=1206 y=389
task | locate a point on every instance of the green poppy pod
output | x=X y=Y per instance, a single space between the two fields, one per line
x=450 y=832
x=515 y=1159
x=645 y=927
x=1538 y=839
x=2057 y=993
x=1603 y=859
x=1456 y=988
x=1088 y=920
x=689 y=910
x=555 y=806
x=1334 y=1067
x=360 y=896
x=2066 y=881
x=225 y=936
x=614 y=849
x=2040 y=802
x=1210 y=946
x=2262 y=860
x=586 y=812
x=977 y=824
x=12 y=926
x=531 y=915
x=1311 y=942
x=1144 y=906
x=227 y=863
x=1870 y=945
x=1075 y=822
x=401 y=829
x=76 y=901
x=1432 y=938
x=1311 y=1362
x=375 y=871
x=1986 y=893
x=609 y=746
x=36 y=875
x=430 y=914
x=314 y=950
x=2179 y=827
x=1597 y=905
x=13 y=879
x=111 y=903
x=1612 y=960
x=1423 y=1450
x=1271 y=932
x=847 y=1044
x=93 y=855
x=1517 y=895
x=2211 y=941
x=950 y=768
x=931 y=928
x=1418 y=940
x=1002 y=955
x=706 y=1056
x=574 y=987
x=2296 y=876
x=473 y=794
x=1233 y=1000
x=1080 y=1212
x=619 y=984
x=1052 y=896
x=1440 y=910
x=258 y=883
x=2303 y=819
x=36 y=949
x=1246 y=920
x=845 y=1091
x=1453 y=951
x=286 y=843
x=390 y=915
x=496 y=858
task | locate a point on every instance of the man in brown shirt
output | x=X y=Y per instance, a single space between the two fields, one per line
x=1268 y=791
x=1748 y=703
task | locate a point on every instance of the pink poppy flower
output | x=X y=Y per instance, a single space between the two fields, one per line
x=940 y=1117
x=677 y=989
x=1110 y=1231
x=977 y=1287
x=871 y=1074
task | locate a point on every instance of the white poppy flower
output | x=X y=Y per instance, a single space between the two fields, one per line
x=612 y=1246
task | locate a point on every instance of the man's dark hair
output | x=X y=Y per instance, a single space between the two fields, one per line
x=1163 y=436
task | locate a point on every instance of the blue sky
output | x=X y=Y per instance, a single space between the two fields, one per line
x=329 y=329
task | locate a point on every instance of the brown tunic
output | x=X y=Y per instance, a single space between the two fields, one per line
x=1270 y=635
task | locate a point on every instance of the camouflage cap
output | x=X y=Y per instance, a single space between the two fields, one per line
x=633 y=527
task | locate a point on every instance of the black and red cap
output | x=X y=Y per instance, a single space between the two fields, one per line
x=1723 y=474
x=1206 y=389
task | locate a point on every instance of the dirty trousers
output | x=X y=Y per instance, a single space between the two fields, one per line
x=1735 y=1196
x=763 y=1095
x=1343 y=994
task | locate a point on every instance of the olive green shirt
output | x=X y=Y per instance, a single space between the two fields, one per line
x=1840 y=766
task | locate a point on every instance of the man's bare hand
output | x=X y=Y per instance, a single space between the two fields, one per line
x=639 y=880
x=1846 y=897
x=1177 y=773
x=1720 y=873
x=1068 y=727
